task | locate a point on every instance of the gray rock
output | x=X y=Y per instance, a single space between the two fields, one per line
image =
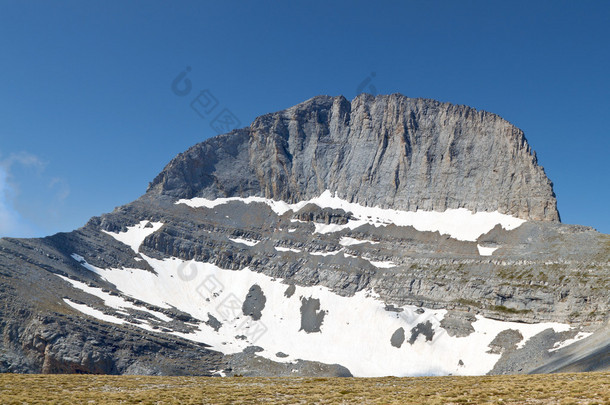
x=458 y=323
x=311 y=315
x=254 y=303
x=389 y=151
x=398 y=337
x=505 y=340
x=424 y=329
x=290 y=291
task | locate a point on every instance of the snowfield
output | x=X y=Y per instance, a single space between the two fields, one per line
x=309 y=323
x=460 y=223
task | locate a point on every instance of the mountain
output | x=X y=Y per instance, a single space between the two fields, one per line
x=389 y=151
x=382 y=236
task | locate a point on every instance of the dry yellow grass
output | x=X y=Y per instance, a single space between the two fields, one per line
x=564 y=389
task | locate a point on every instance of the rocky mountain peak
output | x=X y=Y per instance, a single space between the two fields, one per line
x=389 y=151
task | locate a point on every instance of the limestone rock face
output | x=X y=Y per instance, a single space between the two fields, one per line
x=390 y=151
x=261 y=288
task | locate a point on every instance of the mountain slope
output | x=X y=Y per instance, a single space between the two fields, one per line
x=383 y=236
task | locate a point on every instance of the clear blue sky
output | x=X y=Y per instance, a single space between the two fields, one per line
x=88 y=118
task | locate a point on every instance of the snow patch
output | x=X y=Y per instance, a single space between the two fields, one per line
x=383 y=264
x=568 y=342
x=347 y=241
x=220 y=372
x=279 y=207
x=460 y=223
x=87 y=310
x=325 y=253
x=135 y=235
x=486 y=251
x=248 y=242
x=81 y=260
x=285 y=249
x=110 y=300
x=330 y=228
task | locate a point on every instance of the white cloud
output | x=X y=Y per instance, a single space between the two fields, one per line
x=23 y=158
x=7 y=215
x=61 y=187
x=11 y=222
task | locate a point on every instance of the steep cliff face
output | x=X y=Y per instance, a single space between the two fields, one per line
x=388 y=151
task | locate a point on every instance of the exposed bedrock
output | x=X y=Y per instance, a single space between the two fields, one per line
x=388 y=151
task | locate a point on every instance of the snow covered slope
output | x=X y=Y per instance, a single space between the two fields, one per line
x=312 y=323
x=460 y=223
x=236 y=309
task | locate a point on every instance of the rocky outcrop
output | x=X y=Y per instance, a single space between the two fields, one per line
x=388 y=151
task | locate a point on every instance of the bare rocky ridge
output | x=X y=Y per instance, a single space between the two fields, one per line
x=388 y=151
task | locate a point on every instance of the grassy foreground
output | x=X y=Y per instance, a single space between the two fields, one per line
x=583 y=388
